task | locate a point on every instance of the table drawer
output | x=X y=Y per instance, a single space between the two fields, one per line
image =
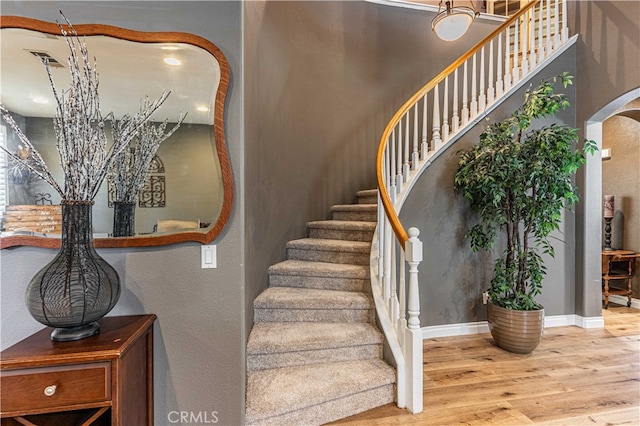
x=47 y=387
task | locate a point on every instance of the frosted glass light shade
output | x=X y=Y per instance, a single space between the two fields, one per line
x=452 y=27
x=451 y=23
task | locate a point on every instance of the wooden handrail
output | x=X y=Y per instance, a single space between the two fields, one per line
x=398 y=229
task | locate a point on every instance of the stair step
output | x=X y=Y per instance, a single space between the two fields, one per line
x=362 y=212
x=284 y=304
x=368 y=196
x=284 y=344
x=342 y=230
x=331 y=251
x=319 y=275
x=319 y=393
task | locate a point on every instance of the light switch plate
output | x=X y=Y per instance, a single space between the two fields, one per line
x=209 y=257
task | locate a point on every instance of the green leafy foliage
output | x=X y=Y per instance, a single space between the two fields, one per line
x=518 y=180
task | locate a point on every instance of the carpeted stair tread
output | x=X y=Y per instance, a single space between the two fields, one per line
x=280 y=337
x=276 y=392
x=319 y=269
x=347 y=225
x=321 y=244
x=354 y=208
x=308 y=298
x=367 y=193
x=346 y=230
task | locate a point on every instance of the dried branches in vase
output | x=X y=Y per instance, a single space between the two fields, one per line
x=129 y=169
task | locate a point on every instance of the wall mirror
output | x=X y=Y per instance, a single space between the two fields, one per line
x=190 y=185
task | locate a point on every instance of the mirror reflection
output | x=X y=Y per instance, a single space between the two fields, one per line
x=187 y=191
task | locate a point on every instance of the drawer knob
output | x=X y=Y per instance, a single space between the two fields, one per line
x=50 y=390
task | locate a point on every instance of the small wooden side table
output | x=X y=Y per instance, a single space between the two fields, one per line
x=106 y=379
x=617 y=265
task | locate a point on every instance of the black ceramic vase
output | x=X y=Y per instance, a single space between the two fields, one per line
x=78 y=287
x=124 y=214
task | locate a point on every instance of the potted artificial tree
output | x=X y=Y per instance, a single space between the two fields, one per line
x=518 y=179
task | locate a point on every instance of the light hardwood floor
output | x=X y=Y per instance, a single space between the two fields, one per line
x=574 y=377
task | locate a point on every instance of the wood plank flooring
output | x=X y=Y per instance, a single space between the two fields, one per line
x=575 y=377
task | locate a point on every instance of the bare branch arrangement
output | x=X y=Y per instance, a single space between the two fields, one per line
x=129 y=169
x=85 y=156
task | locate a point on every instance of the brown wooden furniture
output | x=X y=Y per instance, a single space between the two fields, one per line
x=106 y=379
x=618 y=265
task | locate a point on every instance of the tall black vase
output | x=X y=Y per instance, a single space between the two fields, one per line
x=124 y=214
x=78 y=287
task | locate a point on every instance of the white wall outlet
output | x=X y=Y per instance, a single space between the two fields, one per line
x=209 y=257
x=485 y=298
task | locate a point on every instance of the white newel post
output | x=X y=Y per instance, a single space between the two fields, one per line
x=413 y=337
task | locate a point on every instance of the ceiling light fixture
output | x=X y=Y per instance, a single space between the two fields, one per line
x=452 y=22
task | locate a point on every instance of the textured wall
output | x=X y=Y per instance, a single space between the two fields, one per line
x=621 y=177
x=199 y=335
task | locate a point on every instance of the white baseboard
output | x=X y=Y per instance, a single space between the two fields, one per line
x=621 y=300
x=468 y=328
x=449 y=330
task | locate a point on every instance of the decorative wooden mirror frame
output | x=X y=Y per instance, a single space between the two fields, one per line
x=205 y=236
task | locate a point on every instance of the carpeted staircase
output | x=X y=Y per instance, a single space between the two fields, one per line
x=314 y=354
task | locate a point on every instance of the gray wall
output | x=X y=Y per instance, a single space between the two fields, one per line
x=452 y=277
x=199 y=340
x=621 y=177
x=322 y=80
x=608 y=60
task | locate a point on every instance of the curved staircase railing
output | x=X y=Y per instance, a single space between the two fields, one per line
x=418 y=132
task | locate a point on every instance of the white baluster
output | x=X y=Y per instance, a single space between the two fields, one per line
x=482 y=98
x=465 y=96
x=407 y=137
x=507 y=60
x=524 y=30
x=491 y=92
x=399 y=179
x=455 y=119
x=415 y=154
x=402 y=295
x=556 y=25
x=532 y=38
x=436 y=140
x=392 y=176
x=380 y=232
x=516 y=53
x=499 y=83
x=392 y=302
x=424 y=148
x=445 y=111
x=564 y=26
x=386 y=288
x=548 y=23
x=474 y=89
x=541 y=54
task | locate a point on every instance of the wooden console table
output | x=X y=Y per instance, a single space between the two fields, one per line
x=106 y=379
x=618 y=265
